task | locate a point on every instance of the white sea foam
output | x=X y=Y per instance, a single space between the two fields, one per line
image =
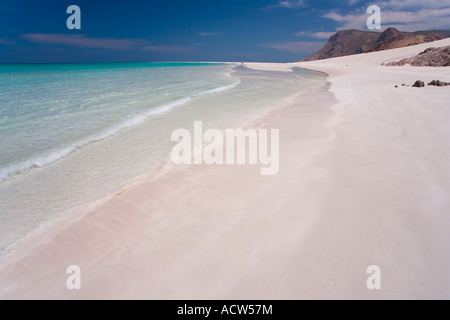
x=220 y=89
x=47 y=158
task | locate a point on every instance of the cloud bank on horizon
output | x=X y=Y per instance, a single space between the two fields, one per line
x=199 y=30
x=406 y=15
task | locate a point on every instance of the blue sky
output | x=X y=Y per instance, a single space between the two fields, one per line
x=198 y=30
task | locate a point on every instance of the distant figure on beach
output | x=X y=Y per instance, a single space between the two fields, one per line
x=242 y=63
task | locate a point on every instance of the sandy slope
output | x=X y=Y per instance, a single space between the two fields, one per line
x=364 y=180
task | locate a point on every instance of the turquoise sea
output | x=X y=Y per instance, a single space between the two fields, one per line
x=73 y=134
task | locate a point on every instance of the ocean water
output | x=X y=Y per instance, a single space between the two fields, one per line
x=73 y=134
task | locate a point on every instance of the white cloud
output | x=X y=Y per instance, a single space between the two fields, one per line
x=297 y=4
x=210 y=34
x=292 y=4
x=413 y=4
x=426 y=15
x=315 y=35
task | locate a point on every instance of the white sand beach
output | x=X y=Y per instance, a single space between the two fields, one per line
x=364 y=180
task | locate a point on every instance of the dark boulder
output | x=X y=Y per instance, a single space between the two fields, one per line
x=419 y=84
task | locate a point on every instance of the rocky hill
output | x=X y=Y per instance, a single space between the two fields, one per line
x=348 y=42
x=432 y=57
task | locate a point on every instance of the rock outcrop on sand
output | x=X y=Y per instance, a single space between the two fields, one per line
x=432 y=57
x=419 y=84
x=349 y=42
x=438 y=83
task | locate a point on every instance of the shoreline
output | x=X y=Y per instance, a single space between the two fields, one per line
x=144 y=162
x=150 y=179
x=52 y=228
x=354 y=190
